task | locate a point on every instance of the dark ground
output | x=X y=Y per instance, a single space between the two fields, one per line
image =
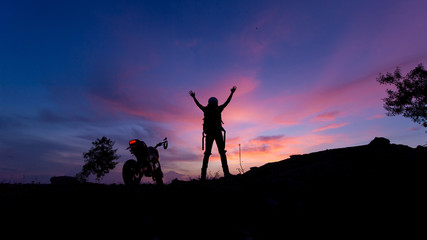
x=371 y=191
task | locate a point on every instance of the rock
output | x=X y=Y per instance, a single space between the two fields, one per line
x=379 y=142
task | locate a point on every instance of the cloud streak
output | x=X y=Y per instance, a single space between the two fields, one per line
x=331 y=126
x=326 y=116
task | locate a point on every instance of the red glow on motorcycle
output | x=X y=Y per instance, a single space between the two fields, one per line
x=132 y=142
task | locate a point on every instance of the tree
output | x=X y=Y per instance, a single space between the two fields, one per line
x=410 y=97
x=99 y=160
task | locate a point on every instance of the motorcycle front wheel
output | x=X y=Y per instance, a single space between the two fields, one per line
x=130 y=172
x=158 y=174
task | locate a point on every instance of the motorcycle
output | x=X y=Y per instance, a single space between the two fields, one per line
x=147 y=163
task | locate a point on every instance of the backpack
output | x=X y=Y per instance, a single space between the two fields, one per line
x=212 y=121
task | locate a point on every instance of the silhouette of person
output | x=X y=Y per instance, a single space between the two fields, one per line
x=212 y=127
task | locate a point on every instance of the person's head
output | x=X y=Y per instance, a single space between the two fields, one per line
x=213 y=101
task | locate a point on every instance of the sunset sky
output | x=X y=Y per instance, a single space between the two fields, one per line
x=305 y=71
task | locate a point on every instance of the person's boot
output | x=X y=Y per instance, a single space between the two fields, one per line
x=227 y=173
x=205 y=166
x=225 y=166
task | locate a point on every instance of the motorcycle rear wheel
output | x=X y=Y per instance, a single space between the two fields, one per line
x=130 y=172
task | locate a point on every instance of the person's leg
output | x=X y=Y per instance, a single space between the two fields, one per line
x=221 y=149
x=208 y=151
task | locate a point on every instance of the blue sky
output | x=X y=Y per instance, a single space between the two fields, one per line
x=74 y=71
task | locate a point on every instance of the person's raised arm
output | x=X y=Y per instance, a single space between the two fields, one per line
x=232 y=90
x=193 y=95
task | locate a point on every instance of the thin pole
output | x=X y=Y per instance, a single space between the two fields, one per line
x=240 y=156
x=240 y=160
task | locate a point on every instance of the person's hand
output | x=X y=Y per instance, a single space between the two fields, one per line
x=193 y=94
x=233 y=89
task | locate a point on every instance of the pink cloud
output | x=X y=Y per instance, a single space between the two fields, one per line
x=262 y=149
x=330 y=126
x=345 y=99
x=265 y=144
x=327 y=116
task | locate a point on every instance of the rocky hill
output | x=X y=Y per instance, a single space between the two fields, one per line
x=374 y=190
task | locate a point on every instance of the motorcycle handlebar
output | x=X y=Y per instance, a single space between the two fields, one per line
x=164 y=143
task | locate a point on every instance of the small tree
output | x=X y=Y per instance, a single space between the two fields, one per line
x=410 y=97
x=99 y=160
